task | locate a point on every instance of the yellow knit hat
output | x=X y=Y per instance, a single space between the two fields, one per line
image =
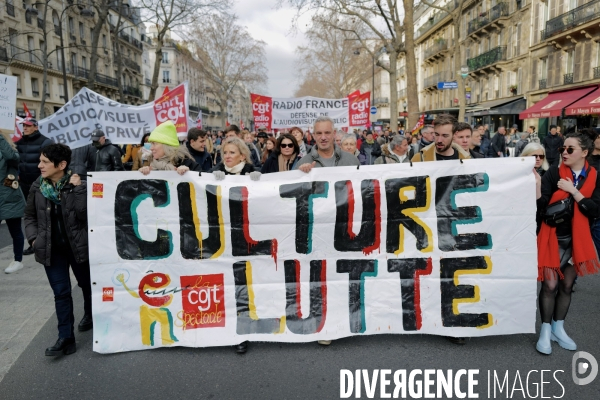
x=165 y=133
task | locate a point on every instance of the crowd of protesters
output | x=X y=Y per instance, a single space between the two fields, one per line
x=46 y=184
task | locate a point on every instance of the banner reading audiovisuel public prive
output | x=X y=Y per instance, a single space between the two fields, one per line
x=122 y=123
x=436 y=248
x=279 y=113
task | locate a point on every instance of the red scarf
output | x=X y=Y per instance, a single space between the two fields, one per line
x=584 y=255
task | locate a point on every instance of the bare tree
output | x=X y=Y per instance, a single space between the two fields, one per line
x=172 y=15
x=454 y=8
x=311 y=85
x=228 y=56
x=102 y=10
x=332 y=58
x=382 y=20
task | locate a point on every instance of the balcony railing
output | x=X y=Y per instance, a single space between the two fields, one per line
x=166 y=80
x=107 y=80
x=567 y=79
x=194 y=108
x=131 y=64
x=487 y=17
x=35 y=93
x=542 y=84
x=131 y=40
x=434 y=79
x=381 y=100
x=3 y=54
x=132 y=91
x=10 y=9
x=435 y=18
x=81 y=72
x=596 y=71
x=570 y=19
x=436 y=48
x=487 y=58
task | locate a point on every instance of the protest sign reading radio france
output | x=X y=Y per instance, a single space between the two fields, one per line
x=122 y=123
x=192 y=261
x=279 y=113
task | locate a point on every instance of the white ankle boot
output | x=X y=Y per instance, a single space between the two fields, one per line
x=544 y=345
x=560 y=336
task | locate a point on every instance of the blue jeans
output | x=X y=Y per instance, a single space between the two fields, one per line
x=60 y=281
x=596 y=234
x=14 y=228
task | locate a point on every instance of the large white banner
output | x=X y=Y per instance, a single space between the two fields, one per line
x=444 y=248
x=74 y=123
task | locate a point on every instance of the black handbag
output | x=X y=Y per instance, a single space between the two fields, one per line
x=559 y=212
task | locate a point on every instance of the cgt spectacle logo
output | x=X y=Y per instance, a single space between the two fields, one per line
x=203 y=301
x=580 y=368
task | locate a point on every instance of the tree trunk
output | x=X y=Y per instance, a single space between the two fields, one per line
x=393 y=91
x=457 y=53
x=224 y=113
x=118 y=58
x=412 y=91
x=102 y=15
x=157 y=61
x=44 y=50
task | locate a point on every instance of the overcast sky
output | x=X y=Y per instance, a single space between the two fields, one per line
x=265 y=22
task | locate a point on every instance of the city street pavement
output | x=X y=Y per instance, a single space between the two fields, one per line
x=268 y=370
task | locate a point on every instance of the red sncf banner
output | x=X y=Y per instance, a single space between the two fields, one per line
x=262 y=111
x=359 y=109
x=203 y=301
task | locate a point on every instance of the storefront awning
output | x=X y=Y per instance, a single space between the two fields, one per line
x=553 y=104
x=590 y=104
x=513 y=105
x=448 y=110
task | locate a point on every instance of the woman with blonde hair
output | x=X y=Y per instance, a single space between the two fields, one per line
x=236 y=160
x=167 y=154
x=536 y=150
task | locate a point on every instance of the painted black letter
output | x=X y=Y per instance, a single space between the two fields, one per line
x=410 y=270
x=318 y=297
x=357 y=270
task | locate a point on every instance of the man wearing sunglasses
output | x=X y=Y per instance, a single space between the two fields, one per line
x=551 y=144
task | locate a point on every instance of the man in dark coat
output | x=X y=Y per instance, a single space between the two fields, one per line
x=196 y=144
x=370 y=149
x=108 y=156
x=56 y=226
x=498 y=144
x=30 y=147
x=551 y=144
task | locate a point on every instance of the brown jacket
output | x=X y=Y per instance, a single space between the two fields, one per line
x=428 y=153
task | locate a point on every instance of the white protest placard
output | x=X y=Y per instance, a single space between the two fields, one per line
x=8 y=102
x=444 y=248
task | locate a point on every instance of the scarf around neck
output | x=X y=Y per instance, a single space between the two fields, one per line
x=585 y=259
x=162 y=164
x=52 y=192
x=285 y=165
x=235 y=170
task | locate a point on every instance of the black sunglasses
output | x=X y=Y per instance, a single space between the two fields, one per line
x=569 y=150
x=284 y=145
x=540 y=156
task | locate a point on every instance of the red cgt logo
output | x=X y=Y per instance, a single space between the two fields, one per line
x=108 y=294
x=203 y=301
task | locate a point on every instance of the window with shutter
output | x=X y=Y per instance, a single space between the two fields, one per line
x=520 y=81
x=518 y=45
x=533 y=84
x=550 y=70
x=552 y=9
x=558 y=59
x=587 y=58
x=560 y=7
x=536 y=24
x=510 y=45
x=577 y=64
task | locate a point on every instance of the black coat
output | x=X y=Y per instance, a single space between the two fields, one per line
x=83 y=160
x=475 y=154
x=246 y=170
x=108 y=158
x=272 y=164
x=551 y=144
x=203 y=159
x=498 y=144
x=38 y=224
x=29 y=148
